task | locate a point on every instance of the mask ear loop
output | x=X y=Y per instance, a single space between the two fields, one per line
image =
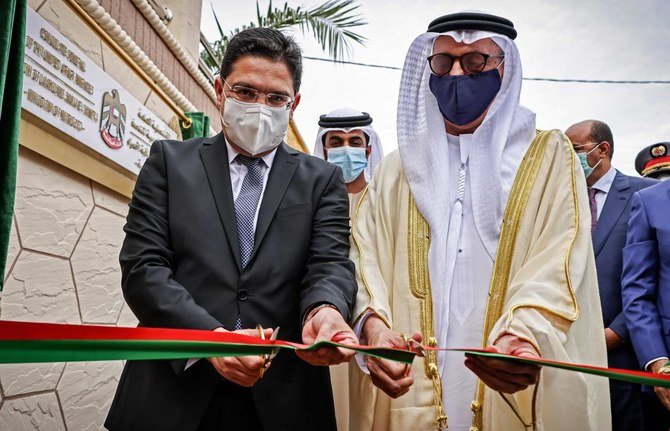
x=223 y=123
x=599 y=160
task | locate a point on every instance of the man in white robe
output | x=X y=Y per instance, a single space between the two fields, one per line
x=348 y=137
x=476 y=233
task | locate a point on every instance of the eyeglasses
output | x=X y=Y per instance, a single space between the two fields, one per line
x=251 y=95
x=472 y=62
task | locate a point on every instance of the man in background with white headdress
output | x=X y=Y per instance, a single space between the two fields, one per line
x=476 y=233
x=346 y=139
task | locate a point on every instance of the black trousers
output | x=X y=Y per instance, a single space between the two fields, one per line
x=232 y=409
x=656 y=416
x=626 y=406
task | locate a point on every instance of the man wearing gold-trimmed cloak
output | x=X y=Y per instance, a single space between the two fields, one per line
x=476 y=233
x=347 y=139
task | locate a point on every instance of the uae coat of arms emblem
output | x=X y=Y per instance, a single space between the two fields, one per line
x=112 y=120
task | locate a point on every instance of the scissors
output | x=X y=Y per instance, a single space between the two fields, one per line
x=268 y=357
x=413 y=346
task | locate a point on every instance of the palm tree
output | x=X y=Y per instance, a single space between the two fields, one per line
x=330 y=23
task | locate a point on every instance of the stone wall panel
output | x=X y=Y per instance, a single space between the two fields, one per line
x=158 y=107
x=17 y=379
x=110 y=200
x=36 y=412
x=34 y=4
x=40 y=289
x=96 y=270
x=86 y=391
x=127 y=317
x=13 y=249
x=52 y=204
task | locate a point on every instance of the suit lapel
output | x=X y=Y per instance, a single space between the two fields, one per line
x=214 y=156
x=283 y=167
x=616 y=202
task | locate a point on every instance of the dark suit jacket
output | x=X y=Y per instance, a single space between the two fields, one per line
x=181 y=269
x=646 y=273
x=609 y=239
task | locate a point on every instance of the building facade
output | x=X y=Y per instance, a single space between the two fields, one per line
x=102 y=80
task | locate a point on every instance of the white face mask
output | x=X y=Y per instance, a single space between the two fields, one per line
x=254 y=127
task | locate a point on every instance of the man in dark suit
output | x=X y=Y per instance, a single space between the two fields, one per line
x=233 y=231
x=609 y=199
x=646 y=293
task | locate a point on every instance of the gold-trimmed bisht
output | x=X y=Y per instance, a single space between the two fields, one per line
x=516 y=204
x=418 y=243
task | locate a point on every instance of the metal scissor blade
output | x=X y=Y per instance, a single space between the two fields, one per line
x=273 y=337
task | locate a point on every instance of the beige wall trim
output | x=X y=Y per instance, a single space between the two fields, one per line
x=53 y=144
x=179 y=52
x=139 y=57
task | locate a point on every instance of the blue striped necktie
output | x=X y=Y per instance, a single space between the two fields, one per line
x=245 y=210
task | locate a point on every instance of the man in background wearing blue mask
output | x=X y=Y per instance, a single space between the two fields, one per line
x=347 y=140
x=610 y=194
x=475 y=233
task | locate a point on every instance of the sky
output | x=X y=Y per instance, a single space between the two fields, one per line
x=573 y=39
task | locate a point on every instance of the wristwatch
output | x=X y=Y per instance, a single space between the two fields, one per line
x=665 y=369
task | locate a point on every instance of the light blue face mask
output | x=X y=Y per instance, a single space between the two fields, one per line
x=352 y=161
x=588 y=170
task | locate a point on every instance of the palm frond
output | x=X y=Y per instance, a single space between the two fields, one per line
x=216 y=19
x=330 y=23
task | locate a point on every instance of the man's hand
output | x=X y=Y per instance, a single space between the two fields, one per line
x=393 y=378
x=327 y=324
x=663 y=394
x=612 y=339
x=505 y=376
x=245 y=370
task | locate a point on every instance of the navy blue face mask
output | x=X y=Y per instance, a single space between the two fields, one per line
x=463 y=98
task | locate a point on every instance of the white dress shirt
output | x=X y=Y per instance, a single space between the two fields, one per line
x=602 y=186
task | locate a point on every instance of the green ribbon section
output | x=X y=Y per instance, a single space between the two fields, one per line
x=33 y=351
x=631 y=376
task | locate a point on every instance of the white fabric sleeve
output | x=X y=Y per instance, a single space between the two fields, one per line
x=358 y=330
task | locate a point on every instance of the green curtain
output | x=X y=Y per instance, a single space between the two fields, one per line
x=199 y=126
x=12 y=35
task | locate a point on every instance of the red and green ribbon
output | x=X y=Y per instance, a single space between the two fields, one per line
x=28 y=342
